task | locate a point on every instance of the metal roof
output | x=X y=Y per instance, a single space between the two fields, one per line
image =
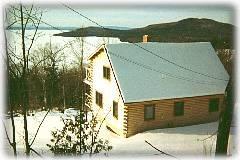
x=144 y=77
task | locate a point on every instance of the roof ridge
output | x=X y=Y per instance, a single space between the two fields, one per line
x=159 y=43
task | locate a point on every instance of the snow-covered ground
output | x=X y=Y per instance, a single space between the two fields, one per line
x=179 y=142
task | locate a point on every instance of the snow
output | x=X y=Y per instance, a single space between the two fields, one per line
x=45 y=36
x=179 y=142
x=160 y=79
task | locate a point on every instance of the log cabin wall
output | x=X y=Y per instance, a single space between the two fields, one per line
x=196 y=111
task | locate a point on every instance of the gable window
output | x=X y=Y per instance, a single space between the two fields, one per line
x=149 y=112
x=178 y=108
x=115 y=109
x=213 y=105
x=99 y=98
x=106 y=72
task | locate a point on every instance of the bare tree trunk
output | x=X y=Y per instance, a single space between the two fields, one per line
x=225 y=123
x=44 y=94
x=64 y=98
x=14 y=133
x=82 y=87
x=11 y=115
x=82 y=83
x=13 y=144
x=24 y=86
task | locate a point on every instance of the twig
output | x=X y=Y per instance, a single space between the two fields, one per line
x=14 y=55
x=209 y=136
x=36 y=152
x=160 y=150
x=102 y=123
x=15 y=65
x=25 y=25
x=94 y=137
x=7 y=134
x=9 y=26
x=95 y=117
x=34 y=35
x=39 y=127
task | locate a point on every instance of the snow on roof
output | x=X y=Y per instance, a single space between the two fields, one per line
x=165 y=80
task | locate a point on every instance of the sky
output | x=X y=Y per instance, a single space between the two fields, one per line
x=133 y=16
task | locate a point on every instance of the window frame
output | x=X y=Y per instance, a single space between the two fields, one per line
x=213 y=108
x=145 y=112
x=106 y=73
x=99 y=99
x=178 y=109
x=115 y=110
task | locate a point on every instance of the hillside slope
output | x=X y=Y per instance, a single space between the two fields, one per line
x=186 y=30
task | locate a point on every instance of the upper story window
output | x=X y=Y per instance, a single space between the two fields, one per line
x=178 y=108
x=106 y=72
x=213 y=105
x=115 y=109
x=99 y=98
x=87 y=88
x=149 y=112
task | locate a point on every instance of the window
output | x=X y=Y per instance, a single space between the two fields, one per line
x=87 y=88
x=106 y=72
x=178 y=108
x=149 y=112
x=99 y=99
x=115 y=109
x=213 y=105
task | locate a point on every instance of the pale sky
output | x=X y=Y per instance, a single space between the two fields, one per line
x=133 y=16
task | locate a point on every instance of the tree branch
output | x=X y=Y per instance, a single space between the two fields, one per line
x=160 y=150
x=102 y=123
x=36 y=152
x=28 y=17
x=32 y=40
x=33 y=67
x=15 y=67
x=14 y=55
x=39 y=127
x=214 y=133
x=9 y=141
x=9 y=26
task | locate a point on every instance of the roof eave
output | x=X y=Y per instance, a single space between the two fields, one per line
x=169 y=98
x=97 y=51
x=115 y=76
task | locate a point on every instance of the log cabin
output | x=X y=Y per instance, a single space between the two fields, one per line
x=150 y=85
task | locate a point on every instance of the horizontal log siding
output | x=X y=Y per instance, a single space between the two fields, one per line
x=195 y=112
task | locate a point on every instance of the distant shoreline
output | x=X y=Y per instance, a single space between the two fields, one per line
x=65 y=28
x=44 y=28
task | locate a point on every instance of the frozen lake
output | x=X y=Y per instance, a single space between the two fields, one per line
x=45 y=36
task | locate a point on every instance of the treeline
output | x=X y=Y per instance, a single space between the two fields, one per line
x=51 y=83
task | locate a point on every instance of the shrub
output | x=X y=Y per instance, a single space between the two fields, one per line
x=78 y=136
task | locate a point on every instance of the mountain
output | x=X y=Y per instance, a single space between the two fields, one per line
x=186 y=30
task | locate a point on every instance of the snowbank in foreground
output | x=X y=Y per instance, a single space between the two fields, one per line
x=180 y=141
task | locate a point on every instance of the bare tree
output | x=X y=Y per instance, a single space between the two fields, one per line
x=79 y=62
x=227 y=58
x=225 y=122
x=80 y=86
x=13 y=143
x=24 y=16
x=24 y=86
